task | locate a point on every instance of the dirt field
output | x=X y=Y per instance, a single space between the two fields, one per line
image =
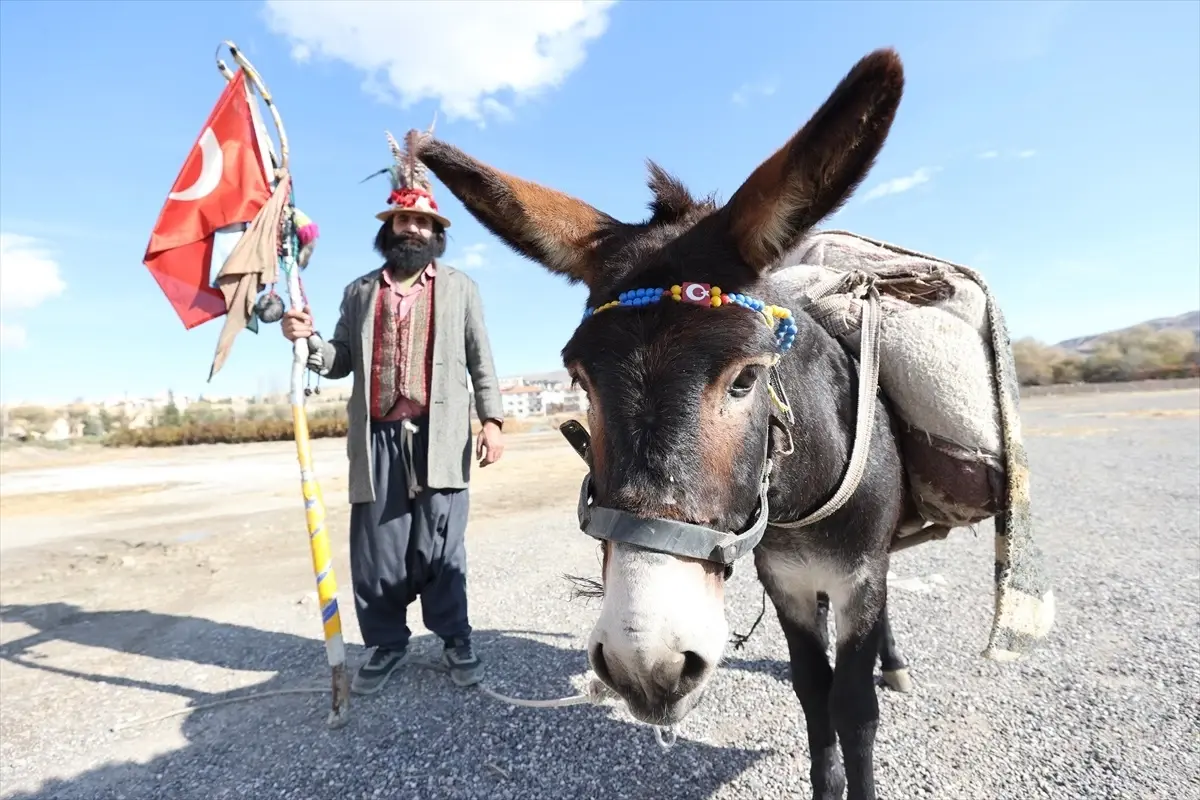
x=137 y=583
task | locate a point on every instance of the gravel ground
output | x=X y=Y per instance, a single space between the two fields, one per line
x=1108 y=709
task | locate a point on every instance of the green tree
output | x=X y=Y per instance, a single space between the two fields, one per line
x=93 y=426
x=171 y=415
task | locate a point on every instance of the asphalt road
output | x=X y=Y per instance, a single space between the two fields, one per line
x=1108 y=709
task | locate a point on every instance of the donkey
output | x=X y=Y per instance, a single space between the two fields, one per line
x=713 y=434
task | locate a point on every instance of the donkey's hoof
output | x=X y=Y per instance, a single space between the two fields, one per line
x=898 y=680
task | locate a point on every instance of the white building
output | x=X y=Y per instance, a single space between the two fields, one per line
x=522 y=401
x=565 y=401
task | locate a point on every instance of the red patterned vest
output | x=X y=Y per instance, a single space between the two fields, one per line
x=402 y=356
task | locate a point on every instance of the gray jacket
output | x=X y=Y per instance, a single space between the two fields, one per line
x=460 y=345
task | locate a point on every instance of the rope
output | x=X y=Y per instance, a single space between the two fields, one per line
x=215 y=703
x=868 y=386
x=595 y=693
x=739 y=639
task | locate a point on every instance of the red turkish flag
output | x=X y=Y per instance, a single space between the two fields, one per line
x=222 y=182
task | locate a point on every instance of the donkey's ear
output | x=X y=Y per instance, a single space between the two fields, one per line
x=814 y=173
x=556 y=230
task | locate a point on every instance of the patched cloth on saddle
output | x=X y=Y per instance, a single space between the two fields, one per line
x=946 y=366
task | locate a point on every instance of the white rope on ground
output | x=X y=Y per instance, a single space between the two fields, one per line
x=223 y=702
x=595 y=693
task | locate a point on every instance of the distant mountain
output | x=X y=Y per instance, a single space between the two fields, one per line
x=1086 y=344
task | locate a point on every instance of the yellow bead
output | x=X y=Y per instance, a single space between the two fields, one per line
x=676 y=289
x=715 y=291
x=716 y=301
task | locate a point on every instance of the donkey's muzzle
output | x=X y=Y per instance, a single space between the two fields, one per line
x=660 y=693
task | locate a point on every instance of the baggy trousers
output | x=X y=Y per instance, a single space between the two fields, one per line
x=402 y=548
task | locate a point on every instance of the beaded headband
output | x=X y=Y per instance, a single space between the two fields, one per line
x=778 y=318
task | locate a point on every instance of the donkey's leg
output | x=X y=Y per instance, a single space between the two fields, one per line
x=812 y=679
x=853 y=702
x=891 y=660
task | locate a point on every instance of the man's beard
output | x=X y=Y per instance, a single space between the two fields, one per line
x=405 y=254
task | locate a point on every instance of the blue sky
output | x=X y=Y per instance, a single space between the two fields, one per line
x=1055 y=146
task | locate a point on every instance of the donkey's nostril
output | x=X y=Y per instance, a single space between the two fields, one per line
x=600 y=666
x=695 y=667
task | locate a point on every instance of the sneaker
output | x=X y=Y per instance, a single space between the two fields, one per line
x=465 y=667
x=372 y=675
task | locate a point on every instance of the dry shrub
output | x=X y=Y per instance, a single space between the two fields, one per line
x=225 y=432
x=1139 y=353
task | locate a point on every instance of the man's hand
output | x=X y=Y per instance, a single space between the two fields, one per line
x=490 y=444
x=297 y=324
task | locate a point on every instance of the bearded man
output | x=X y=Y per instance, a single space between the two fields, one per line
x=410 y=332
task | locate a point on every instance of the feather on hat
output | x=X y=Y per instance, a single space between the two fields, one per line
x=412 y=192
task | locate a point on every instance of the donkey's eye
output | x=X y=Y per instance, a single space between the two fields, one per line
x=744 y=382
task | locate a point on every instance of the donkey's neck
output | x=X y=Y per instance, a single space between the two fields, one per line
x=821 y=382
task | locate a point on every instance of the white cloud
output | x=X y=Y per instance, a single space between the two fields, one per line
x=28 y=277
x=472 y=256
x=12 y=337
x=1027 y=154
x=989 y=154
x=900 y=185
x=460 y=54
x=747 y=91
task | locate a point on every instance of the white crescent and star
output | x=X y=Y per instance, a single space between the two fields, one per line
x=212 y=166
x=695 y=292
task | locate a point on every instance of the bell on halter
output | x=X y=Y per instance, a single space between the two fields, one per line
x=269 y=308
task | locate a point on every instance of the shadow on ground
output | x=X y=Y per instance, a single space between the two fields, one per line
x=421 y=737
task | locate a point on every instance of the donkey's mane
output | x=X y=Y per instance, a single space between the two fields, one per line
x=680 y=224
x=673 y=204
